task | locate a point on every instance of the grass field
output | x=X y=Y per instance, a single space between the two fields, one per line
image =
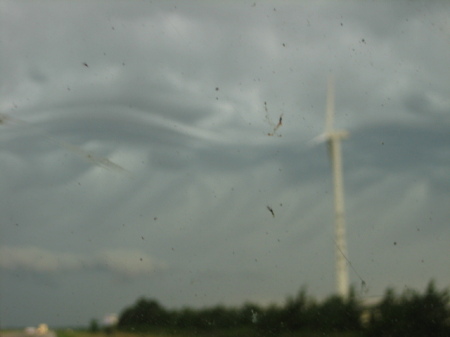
x=220 y=333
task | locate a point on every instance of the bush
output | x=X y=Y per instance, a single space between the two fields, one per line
x=412 y=314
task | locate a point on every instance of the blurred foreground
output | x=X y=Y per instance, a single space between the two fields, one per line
x=41 y=330
x=228 y=333
x=410 y=314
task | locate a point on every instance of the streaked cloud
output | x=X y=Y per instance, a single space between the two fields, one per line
x=125 y=263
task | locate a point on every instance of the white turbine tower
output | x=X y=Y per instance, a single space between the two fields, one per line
x=333 y=138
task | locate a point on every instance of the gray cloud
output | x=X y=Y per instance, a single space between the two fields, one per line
x=123 y=262
x=177 y=94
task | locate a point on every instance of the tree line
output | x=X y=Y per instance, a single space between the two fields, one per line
x=407 y=314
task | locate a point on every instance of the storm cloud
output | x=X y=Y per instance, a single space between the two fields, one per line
x=181 y=97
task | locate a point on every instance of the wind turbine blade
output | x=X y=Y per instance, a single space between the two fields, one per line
x=88 y=156
x=330 y=105
x=318 y=139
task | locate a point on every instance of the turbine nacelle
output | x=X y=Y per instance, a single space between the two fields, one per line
x=337 y=134
x=327 y=136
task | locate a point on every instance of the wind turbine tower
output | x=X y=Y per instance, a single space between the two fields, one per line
x=333 y=138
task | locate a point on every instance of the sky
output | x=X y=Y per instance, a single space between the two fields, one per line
x=136 y=160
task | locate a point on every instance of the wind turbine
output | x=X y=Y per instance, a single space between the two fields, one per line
x=333 y=139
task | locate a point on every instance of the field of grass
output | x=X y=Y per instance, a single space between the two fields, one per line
x=222 y=333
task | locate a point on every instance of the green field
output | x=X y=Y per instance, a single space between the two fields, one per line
x=223 y=333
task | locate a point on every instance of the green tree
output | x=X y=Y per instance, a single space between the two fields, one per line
x=412 y=314
x=249 y=315
x=271 y=320
x=295 y=314
x=143 y=315
x=93 y=326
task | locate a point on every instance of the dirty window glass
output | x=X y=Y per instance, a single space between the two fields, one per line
x=190 y=152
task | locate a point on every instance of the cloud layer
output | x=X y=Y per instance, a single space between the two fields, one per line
x=182 y=97
x=122 y=262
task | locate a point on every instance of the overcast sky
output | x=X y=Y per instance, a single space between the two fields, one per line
x=135 y=158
